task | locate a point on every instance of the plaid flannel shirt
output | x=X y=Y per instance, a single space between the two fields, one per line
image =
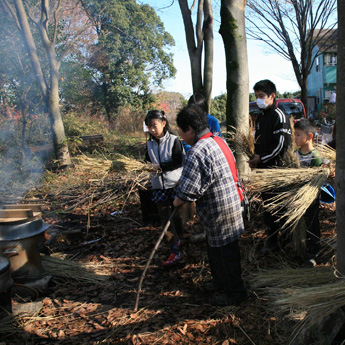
x=207 y=179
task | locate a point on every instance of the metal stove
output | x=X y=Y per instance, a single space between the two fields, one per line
x=21 y=238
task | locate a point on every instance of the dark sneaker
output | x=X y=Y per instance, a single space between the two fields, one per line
x=172 y=260
x=211 y=287
x=225 y=299
x=198 y=238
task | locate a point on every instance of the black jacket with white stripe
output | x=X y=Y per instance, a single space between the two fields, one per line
x=272 y=136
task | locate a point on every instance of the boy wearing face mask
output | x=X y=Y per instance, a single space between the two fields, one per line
x=272 y=128
x=272 y=139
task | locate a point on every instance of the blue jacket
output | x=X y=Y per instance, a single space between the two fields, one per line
x=214 y=126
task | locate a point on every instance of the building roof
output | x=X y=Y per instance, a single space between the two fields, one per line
x=326 y=39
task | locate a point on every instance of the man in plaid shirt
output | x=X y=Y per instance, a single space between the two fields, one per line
x=207 y=180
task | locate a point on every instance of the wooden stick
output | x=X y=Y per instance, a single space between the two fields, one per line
x=151 y=256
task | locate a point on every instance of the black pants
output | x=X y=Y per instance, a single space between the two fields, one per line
x=313 y=228
x=225 y=265
x=271 y=220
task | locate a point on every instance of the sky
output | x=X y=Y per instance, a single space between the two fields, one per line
x=263 y=63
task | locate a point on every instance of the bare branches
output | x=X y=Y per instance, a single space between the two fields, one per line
x=56 y=20
x=293 y=29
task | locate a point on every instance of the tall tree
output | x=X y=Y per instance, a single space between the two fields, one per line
x=200 y=44
x=232 y=29
x=340 y=140
x=53 y=22
x=292 y=29
x=130 y=55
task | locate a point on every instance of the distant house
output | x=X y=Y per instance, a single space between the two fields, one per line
x=323 y=76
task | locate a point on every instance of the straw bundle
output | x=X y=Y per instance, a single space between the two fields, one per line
x=317 y=301
x=94 y=165
x=314 y=293
x=290 y=159
x=7 y=326
x=326 y=152
x=262 y=180
x=291 y=277
x=122 y=163
x=61 y=268
x=243 y=142
x=296 y=201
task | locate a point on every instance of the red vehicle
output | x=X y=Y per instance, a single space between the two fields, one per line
x=290 y=107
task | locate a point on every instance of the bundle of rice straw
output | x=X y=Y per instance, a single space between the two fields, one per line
x=282 y=178
x=122 y=163
x=243 y=142
x=314 y=293
x=326 y=152
x=94 y=165
x=298 y=189
x=290 y=159
x=318 y=301
x=287 y=277
x=59 y=267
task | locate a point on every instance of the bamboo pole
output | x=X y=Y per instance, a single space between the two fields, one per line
x=151 y=256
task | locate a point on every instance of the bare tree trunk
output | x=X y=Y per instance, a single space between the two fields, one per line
x=51 y=92
x=208 y=51
x=304 y=93
x=340 y=140
x=201 y=39
x=232 y=29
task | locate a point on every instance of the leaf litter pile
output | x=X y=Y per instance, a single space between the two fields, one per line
x=97 y=253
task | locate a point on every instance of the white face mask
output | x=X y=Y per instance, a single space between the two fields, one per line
x=261 y=102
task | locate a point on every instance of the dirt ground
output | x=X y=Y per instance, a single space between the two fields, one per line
x=173 y=307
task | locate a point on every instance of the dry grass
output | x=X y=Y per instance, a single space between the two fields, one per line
x=262 y=180
x=97 y=166
x=287 y=277
x=57 y=266
x=242 y=142
x=122 y=163
x=326 y=152
x=290 y=159
x=294 y=190
x=296 y=201
x=308 y=295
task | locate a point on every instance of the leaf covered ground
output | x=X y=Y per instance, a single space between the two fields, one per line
x=97 y=223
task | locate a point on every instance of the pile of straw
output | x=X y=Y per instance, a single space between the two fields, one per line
x=316 y=292
x=291 y=159
x=122 y=163
x=97 y=166
x=287 y=277
x=68 y=269
x=326 y=152
x=297 y=188
x=243 y=142
x=102 y=166
x=263 y=180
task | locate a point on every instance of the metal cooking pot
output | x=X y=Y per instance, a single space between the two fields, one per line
x=5 y=274
x=12 y=231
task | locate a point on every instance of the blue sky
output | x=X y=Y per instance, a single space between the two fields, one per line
x=263 y=63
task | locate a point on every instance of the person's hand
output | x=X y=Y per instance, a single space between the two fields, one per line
x=154 y=167
x=178 y=202
x=253 y=163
